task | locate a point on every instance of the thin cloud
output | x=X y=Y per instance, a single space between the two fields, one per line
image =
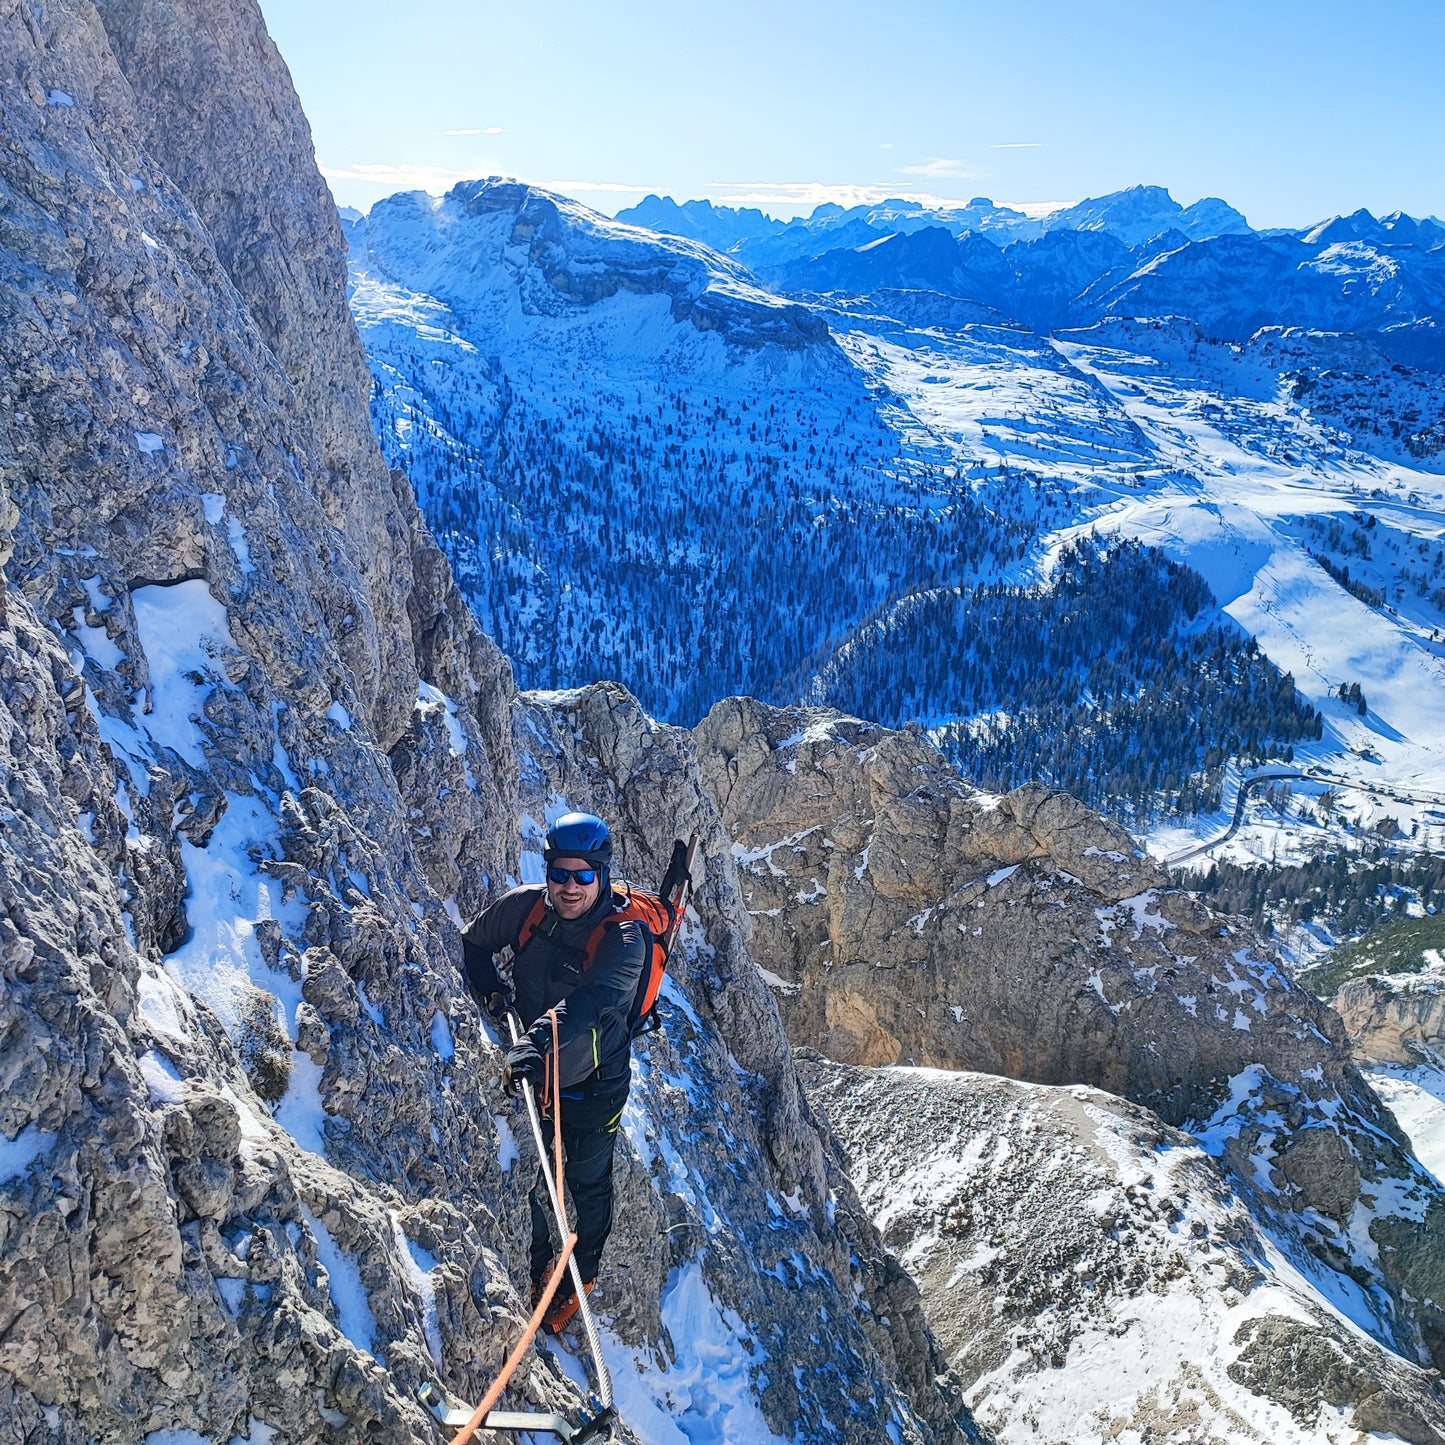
x=476 y=130
x=399 y=177
x=621 y=187
x=798 y=193
x=1037 y=210
x=939 y=169
x=1020 y=145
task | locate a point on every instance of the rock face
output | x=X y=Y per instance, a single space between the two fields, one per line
x=257 y=761
x=189 y=928
x=1395 y=1018
x=906 y=918
x=912 y=919
x=1133 y=1298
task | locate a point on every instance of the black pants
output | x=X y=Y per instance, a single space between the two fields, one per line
x=589 y=1130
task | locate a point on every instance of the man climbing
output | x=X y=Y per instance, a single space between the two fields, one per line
x=574 y=952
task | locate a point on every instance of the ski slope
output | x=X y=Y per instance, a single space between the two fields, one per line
x=1159 y=448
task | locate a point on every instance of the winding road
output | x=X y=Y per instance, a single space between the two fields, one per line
x=1275 y=775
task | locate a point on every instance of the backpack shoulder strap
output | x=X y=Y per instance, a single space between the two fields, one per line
x=532 y=922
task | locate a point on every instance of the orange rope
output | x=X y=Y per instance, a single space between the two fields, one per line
x=510 y=1368
x=554 y=1076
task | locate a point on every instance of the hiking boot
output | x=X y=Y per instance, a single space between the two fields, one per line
x=564 y=1307
x=539 y=1285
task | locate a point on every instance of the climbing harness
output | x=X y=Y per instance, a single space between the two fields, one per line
x=484 y=1417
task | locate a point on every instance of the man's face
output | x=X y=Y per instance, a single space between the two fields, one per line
x=572 y=899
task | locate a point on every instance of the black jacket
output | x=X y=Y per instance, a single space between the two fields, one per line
x=593 y=1007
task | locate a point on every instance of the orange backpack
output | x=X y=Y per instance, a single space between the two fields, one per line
x=658 y=917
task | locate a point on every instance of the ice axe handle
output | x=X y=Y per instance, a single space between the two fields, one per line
x=677 y=882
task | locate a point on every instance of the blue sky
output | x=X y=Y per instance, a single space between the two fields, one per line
x=1291 y=111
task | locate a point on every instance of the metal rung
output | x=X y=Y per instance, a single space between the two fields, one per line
x=512 y=1420
x=445 y=1412
x=455 y=1416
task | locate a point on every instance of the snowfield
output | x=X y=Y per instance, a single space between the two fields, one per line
x=1221 y=483
x=1416 y=1097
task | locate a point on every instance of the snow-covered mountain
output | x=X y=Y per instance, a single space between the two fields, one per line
x=1232 y=284
x=1395 y=229
x=762 y=241
x=1134 y=216
x=810 y=469
x=721 y=227
x=1140 y=1301
x=1143 y=212
x=642 y=464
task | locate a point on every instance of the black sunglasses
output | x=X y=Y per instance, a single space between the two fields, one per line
x=583 y=875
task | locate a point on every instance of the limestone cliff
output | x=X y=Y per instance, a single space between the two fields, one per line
x=257 y=761
x=1395 y=1018
x=907 y=918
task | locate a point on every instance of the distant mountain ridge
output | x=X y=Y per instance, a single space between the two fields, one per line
x=1134 y=215
x=1136 y=252
x=573 y=256
x=1344 y=280
x=749 y=232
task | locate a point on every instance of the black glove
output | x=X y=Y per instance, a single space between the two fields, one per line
x=523 y=1061
x=495 y=1006
x=676 y=870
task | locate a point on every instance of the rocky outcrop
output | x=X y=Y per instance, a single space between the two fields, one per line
x=1395 y=1018
x=1133 y=1297
x=906 y=918
x=912 y=919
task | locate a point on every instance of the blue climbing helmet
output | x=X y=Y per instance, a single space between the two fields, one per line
x=579 y=835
